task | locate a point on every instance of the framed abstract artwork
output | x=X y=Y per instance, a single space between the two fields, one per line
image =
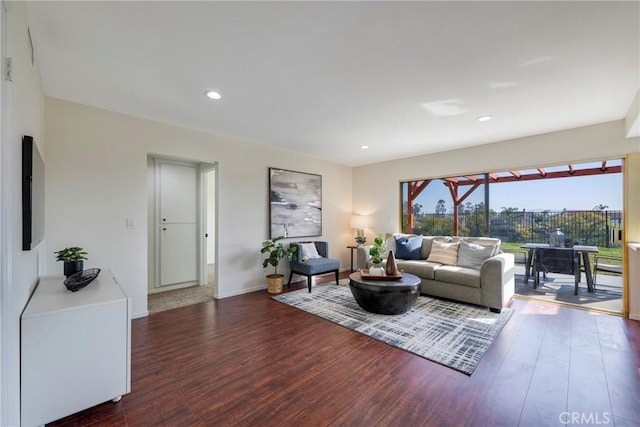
x=295 y=203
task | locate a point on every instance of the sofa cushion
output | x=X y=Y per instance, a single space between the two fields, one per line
x=427 y=241
x=444 y=253
x=422 y=269
x=472 y=255
x=408 y=247
x=316 y=266
x=485 y=241
x=458 y=275
x=309 y=251
x=389 y=245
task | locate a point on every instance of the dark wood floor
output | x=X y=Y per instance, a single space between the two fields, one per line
x=252 y=361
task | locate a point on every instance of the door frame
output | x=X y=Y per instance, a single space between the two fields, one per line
x=201 y=262
x=203 y=194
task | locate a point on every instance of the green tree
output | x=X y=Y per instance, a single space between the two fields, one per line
x=418 y=219
x=442 y=225
x=587 y=228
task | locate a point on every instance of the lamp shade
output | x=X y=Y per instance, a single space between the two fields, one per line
x=359 y=222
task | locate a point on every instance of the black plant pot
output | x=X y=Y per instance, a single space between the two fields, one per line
x=71 y=267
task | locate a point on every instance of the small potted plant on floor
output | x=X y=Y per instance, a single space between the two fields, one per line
x=275 y=251
x=72 y=258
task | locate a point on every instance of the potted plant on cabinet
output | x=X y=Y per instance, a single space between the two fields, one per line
x=72 y=258
x=276 y=252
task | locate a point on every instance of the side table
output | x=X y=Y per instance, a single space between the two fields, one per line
x=352 y=247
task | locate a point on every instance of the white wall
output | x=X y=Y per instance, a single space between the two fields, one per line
x=24 y=102
x=597 y=142
x=97 y=163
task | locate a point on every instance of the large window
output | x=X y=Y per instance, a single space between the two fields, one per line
x=583 y=200
x=445 y=206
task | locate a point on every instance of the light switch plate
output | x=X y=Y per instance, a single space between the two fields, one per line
x=131 y=222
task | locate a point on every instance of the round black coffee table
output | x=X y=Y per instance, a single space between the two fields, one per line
x=385 y=296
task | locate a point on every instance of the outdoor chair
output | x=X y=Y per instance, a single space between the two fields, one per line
x=611 y=264
x=310 y=259
x=520 y=257
x=556 y=260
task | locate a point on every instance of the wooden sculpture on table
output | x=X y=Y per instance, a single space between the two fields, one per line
x=391 y=268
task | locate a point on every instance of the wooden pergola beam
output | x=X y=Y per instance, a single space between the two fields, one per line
x=457 y=201
x=548 y=175
x=414 y=190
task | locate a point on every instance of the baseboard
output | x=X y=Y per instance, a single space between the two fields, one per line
x=138 y=315
x=295 y=280
x=173 y=287
x=239 y=292
x=634 y=316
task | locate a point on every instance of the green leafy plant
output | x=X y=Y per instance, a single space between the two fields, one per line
x=377 y=250
x=71 y=254
x=276 y=252
x=361 y=240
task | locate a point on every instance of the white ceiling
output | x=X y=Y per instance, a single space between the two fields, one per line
x=324 y=78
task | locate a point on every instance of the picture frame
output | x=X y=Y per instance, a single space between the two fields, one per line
x=295 y=203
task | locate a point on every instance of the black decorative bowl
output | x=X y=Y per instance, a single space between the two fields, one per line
x=81 y=279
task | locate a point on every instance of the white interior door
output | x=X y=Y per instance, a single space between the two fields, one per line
x=177 y=223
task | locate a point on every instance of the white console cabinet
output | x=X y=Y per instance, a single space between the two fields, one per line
x=75 y=348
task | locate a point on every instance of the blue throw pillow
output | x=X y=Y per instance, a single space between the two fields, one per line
x=408 y=247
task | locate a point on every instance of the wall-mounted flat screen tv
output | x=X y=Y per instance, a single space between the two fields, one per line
x=32 y=194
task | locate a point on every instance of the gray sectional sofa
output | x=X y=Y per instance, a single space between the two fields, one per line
x=467 y=269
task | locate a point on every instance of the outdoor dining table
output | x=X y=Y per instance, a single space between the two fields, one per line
x=584 y=251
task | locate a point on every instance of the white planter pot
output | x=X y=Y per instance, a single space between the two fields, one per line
x=376 y=271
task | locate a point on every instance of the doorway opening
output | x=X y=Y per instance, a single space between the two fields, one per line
x=181 y=233
x=582 y=202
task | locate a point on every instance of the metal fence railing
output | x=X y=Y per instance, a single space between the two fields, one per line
x=584 y=227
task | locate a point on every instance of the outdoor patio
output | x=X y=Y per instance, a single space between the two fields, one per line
x=559 y=288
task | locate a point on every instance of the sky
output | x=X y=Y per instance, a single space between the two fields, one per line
x=557 y=194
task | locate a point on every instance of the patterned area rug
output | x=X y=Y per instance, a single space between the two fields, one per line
x=453 y=334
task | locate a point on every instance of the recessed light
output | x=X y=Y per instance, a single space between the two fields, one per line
x=213 y=95
x=484 y=118
x=364 y=147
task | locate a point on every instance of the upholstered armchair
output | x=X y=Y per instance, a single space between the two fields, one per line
x=311 y=259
